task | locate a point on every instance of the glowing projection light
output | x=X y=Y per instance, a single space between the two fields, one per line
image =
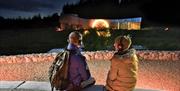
x=100 y=23
x=86 y=32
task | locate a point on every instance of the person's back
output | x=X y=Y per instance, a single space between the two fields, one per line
x=123 y=72
x=78 y=68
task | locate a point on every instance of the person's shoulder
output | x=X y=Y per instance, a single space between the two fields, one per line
x=130 y=53
x=75 y=58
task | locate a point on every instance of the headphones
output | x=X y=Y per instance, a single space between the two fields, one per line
x=120 y=44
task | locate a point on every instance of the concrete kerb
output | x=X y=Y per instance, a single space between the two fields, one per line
x=9 y=84
x=44 y=86
x=35 y=86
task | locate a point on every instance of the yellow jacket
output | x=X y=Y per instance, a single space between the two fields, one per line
x=123 y=72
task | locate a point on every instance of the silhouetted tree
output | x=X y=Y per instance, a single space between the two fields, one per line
x=37 y=21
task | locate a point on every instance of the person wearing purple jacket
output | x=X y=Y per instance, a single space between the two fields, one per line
x=78 y=73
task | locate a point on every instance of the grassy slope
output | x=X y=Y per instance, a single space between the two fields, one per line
x=42 y=40
x=29 y=41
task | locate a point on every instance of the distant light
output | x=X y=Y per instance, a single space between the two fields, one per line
x=86 y=32
x=59 y=29
x=166 y=29
x=119 y=1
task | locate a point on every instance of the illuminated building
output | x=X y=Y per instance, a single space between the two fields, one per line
x=72 y=21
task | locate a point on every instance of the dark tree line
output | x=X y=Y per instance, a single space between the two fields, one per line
x=35 y=22
x=162 y=11
x=100 y=9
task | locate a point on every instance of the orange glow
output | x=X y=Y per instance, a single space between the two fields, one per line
x=86 y=32
x=100 y=23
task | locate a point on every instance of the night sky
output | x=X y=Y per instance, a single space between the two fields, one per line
x=28 y=8
x=154 y=10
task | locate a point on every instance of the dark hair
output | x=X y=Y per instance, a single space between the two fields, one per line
x=76 y=34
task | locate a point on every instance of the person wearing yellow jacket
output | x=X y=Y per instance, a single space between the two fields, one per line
x=122 y=75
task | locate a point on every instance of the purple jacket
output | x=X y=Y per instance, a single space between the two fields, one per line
x=78 y=69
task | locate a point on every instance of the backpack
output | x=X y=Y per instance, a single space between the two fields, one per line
x=58 y=71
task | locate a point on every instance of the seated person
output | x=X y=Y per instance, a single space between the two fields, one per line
x=124 y=66
x=78 y=74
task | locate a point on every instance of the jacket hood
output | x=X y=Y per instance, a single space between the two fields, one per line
x=72 y=47
x=127 y=54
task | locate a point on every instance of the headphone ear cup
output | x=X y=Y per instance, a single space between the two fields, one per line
x=119 y=46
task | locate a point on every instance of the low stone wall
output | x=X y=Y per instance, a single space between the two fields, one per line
x=98 y=55
x=161 y=73
x=145 y=55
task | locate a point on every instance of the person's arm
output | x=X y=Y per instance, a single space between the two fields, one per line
x=113 y=75
x=113 y=71
x=78 y=71
x=73 y=71
x=82 y=69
